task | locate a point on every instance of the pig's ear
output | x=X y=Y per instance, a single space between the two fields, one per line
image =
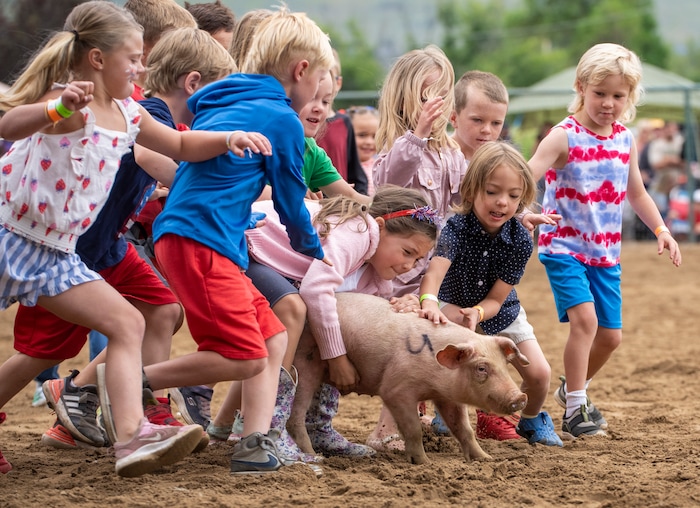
x=511 y=351
x=452 y=356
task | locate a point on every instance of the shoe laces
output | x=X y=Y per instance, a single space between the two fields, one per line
x=88 y=404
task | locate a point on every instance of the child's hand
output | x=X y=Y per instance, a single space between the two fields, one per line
x=239 y=142
x=257 y=220
x=313 y=196
x=666 y=241
x=432 y=110
x=434 y=314
x=343 y=374
x=471 y=317
x=405 y=303
x=532 y=220
x=161 y=191
x=77 y=94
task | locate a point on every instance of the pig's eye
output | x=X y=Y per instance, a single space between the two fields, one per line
x=482 y=371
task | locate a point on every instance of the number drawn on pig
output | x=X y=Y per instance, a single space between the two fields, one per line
x=426 y=342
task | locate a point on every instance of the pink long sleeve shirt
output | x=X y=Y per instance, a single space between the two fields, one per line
x=349 y=246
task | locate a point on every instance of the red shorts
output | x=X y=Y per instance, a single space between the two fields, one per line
x=225 y=312
x=41 y=334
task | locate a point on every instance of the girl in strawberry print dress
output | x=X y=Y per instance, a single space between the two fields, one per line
x=590 y=164
x=70 y=118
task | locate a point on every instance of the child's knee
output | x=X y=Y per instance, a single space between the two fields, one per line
x=291 y=309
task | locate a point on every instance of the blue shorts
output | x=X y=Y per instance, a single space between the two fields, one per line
x=269 y=282
x=574 y=283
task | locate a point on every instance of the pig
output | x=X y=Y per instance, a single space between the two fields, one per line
x=406 y=359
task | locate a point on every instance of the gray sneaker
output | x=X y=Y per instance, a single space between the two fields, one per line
x=76 y=408
x=580 y=424
x=593 y=412
x=194 y=403
x=255 y=454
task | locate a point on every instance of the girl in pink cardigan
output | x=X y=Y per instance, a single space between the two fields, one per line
x=368 y=247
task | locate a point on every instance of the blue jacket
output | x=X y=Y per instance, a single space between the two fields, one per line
x=209 y=201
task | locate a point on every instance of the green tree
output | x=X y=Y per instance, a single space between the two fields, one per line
x=25 y=25
x=523 y=45
x=361 y=69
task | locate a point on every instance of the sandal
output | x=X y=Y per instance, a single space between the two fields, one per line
x=392 y=443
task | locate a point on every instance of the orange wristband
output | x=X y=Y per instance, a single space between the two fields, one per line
x=51 y=113
x=661 y=229
x=481 y=312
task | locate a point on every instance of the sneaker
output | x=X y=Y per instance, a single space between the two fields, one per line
x=438 y=426
x=58 y=437
x=255 y=454
x=5 y=466
x=500 y=428
x=76 y=408
x=39 y=399
x=593 y=412
x=539 y=430
x=155 y=446
x=580 y=424
x=219 y=434
x=194 y=403
x=106 y=419
x=158 y=412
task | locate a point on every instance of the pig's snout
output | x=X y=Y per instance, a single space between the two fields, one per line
x=519 y=403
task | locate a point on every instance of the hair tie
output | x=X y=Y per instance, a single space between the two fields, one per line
x=76 y=35
x=424 y=213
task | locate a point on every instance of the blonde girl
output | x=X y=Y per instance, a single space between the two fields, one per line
x=71 y=119
x=414 y=147
x=590 y=164
x=480 y=257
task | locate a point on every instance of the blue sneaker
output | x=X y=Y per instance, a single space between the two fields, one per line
x=439 y=426
x=539 y=430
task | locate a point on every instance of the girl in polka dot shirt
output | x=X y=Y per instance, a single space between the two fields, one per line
x=480 y=256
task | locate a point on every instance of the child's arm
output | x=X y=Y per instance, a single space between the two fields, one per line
x=22 y=121
x=157 y=165
x=341 y=187
x=196 y=146
x=429 y=288
x=552 y=153
x=400 y=165
x=648 y=212
x=490 y=305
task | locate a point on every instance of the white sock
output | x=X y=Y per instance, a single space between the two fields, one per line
x=574 y=400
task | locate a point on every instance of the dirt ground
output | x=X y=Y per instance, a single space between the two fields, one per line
x=648 y=393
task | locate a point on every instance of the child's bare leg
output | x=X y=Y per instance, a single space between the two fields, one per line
x=124 y=325
x=606 y=341
x=291 y=310
x=259 y=392
x=227 y=412
x=582 y=332
x=536 y=376
x=17 y=371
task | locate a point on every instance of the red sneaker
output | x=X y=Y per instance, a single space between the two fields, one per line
x=500 y=428
x=157 y=410
x=5 y=466
x=59 y=437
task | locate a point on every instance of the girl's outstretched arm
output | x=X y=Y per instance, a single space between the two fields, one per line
x=22 y=121
x=197 y=146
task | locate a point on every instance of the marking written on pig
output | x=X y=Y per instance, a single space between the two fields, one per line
x=426 y=343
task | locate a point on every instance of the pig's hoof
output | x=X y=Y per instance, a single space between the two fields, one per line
x=392 y=443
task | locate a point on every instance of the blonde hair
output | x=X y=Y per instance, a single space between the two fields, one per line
x=283 y=38
x=243 y=32
x=388 y=198
x=401 y=100
x=96 y=24
x=486 y=159
x=181 y=51
x=490 y=84
x=159 y=16
x=603 y=60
